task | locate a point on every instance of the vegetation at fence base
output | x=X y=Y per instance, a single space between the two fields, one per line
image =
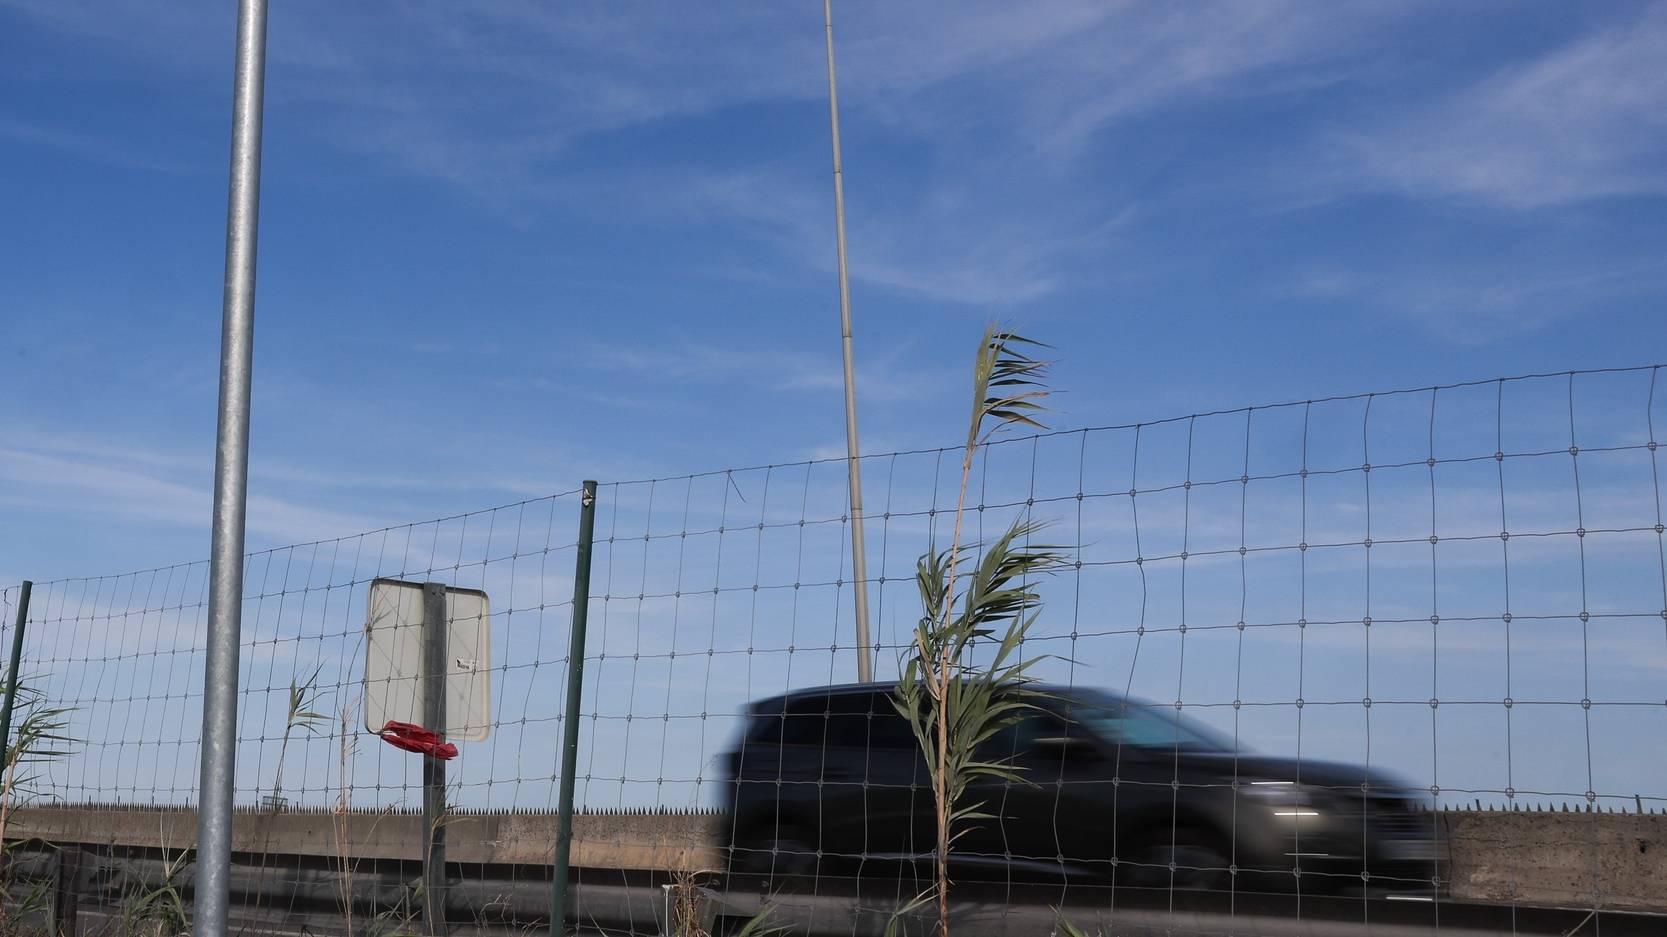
x=953 y=704
x=20 y=918
x=686 y=910
x=1064 y=927
x=158 y=911
x=41 y=736
x=302 y=717
x=402 y=918
x=347 y=745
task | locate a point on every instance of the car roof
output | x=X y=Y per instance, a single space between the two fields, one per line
x=887 y=686
x=838 y=689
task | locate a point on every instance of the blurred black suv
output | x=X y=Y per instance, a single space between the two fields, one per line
x=830 y=781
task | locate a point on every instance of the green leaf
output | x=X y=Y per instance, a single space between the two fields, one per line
x=759 y=925
x=1064 y=925
x=991 y=604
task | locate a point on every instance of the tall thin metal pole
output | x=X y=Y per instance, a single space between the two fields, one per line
x=570 y=716
x=11 y=672
x=231 y=476
x=859 y=553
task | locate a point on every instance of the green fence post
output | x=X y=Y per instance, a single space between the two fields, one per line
x=11 y=672
x=570 y=716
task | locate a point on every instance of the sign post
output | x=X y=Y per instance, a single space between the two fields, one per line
x=428 y=683
x=434 y=767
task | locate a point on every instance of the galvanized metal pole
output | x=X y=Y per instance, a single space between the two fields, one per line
x=859 y=553
x=11 y=671
x=435 y=644
x=570 y=715
x=231 y=476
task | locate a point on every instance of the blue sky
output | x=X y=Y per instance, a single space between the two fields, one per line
x=510 y=247
x=596 y=242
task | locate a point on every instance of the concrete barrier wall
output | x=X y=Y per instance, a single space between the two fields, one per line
x=1608 y=860
x=1616 y=861
x=611 y=841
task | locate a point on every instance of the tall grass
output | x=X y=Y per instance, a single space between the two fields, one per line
x=954 y=704
x=41 y=737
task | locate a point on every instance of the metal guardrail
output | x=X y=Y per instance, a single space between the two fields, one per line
x=1531 y=858
x=102 y=893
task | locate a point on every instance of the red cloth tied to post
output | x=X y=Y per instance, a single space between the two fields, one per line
x=415 y=738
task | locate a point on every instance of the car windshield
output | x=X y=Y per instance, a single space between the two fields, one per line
x=1149 y=727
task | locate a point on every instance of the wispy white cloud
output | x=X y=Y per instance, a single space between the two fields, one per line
x=95 y=450
x=1586 y=120
x=138 y=489
x=1012 y=259
x=1475 y=303
x=883 y=377
x=590 y=72
x=1146 y=57
x=85 y=145
x=74 y=475
x=1000 y=99
x=136 y=492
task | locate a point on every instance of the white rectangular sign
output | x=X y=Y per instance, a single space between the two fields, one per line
x=394 y=659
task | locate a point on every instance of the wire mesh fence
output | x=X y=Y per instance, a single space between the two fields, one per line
x=124 y=653
x=1331 y=615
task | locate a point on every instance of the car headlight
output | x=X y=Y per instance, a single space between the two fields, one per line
x=1286 y=798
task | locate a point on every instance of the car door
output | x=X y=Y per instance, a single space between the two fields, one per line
x=1094 y=799
x=1022 y=837
x=1156 y=794
x=876 y=800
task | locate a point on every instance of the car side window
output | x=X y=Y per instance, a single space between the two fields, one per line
x=805 y=721
x=888 y=729
x=850 y=720
x=1020 y=738
x=867 y=720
